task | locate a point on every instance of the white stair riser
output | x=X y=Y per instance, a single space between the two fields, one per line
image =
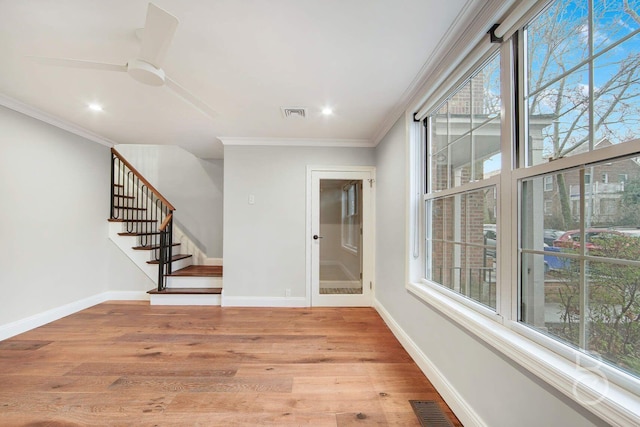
x=190 y=299
x=177 y=265
x=181 y=282
x=140 y=258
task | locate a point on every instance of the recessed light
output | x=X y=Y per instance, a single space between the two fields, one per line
x=95 y=107
x=327 y=111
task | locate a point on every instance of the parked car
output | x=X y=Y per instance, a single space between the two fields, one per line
x=571 y=239
x=550 y=235
x=553 y=262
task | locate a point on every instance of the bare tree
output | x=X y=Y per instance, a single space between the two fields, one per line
x=589 y=99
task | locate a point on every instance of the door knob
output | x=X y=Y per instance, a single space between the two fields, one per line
x=316 y=237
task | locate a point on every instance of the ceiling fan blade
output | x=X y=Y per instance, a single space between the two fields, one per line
x=190 y=98
x=79 y=63
x=159 y=29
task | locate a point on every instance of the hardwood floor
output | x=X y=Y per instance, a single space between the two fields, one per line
x=130 y=363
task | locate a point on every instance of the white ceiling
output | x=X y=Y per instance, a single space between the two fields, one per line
x=245 y=58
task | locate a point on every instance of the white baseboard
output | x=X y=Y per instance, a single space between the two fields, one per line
x=126 y=296
x=458 y=405
x=212 y=261
x=23 y=325
x=263 y=301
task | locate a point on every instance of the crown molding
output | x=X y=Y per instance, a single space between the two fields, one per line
x=297 y=142
x=468 y=29
x=37 y=114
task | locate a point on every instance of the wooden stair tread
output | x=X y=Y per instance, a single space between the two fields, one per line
x=173 y=258
x=150 y=248
x=118 y=185
x=151 y=233
x=186 y=291
x=120 y=196
x=198 y=271
x=131 y=220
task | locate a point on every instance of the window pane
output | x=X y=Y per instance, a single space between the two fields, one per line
x=557 y=40
x=579 y=100
x=464 y=134
x=439 y=128
x=550 y=218
x=485 y=89
x=550 y=295
x=612 y=22
x=486 y=149
x=460 y=162
x=563 y=286
x=462 y=244
x=616 y=102
x=613 y=329
x=460 y=113
x=439 y=177
x=559 y=119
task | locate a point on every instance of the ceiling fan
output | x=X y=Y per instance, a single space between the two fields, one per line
x=159 y=28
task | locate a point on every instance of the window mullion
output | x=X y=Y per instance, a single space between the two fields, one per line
x=506 y=281
x=591 y=78
x=582 y=290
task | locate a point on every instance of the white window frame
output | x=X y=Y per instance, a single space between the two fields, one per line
x=472 y=185
x=548 y=183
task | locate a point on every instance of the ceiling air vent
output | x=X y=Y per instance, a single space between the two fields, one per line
x=291 y=112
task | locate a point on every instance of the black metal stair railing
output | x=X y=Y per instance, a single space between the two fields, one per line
x=141 y=207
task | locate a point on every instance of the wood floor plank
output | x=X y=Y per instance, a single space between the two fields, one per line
x=332 y=384
x=200 y=385
x=301 y=369
x=151 y=369
x=128 y=363
x=22 y=344
x=339 y=402
x=34 y=383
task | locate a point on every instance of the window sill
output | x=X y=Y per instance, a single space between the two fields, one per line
x=588 y=388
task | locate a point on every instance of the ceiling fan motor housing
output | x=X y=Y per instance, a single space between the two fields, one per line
x=145 y=73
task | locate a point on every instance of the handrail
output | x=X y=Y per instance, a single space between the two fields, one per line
x=142 y=179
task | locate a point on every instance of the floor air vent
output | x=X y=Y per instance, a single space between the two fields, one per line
x=429 y=413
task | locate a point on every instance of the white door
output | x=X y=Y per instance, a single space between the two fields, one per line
x=341 y=237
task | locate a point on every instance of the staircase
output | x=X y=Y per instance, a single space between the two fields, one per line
x=141 y=225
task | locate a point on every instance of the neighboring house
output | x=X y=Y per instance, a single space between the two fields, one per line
x=605 y=184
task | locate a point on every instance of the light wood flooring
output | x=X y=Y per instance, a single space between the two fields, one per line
x=130 y=363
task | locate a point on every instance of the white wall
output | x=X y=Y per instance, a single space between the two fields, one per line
x=264 y=243
x=192 y=185
x=54 y=196
x=500 y=392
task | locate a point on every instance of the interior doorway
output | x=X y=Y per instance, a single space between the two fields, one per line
x=340 y=234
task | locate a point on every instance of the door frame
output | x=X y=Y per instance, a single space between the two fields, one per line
x=368 y=176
